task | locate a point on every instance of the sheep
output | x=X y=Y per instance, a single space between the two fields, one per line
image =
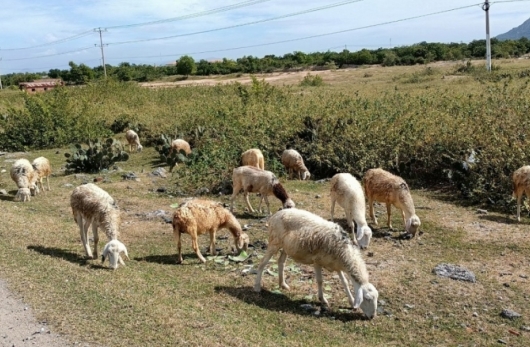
x=180 y=145
x=382 y=186
x=23 y=174
x=254 y=180
x=23 y=194
x=521 y=185
x=253 y=157
x=348 y=193
x=294 y=164
x=92 y=205
x=43 y=169
x=310 y=239
x=197 y=217
x=133 y=140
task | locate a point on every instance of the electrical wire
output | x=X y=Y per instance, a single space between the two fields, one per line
x=342 y=3
x=51 y=55
x=66 y=39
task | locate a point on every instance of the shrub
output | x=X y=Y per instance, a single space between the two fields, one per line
x=167 y=156
x=98 y=156
x=312 y=81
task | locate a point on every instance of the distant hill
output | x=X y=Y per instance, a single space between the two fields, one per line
x=516 y=33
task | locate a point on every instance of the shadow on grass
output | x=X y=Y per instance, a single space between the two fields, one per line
x=60 y=253
x=281 y=303
x=499 y=219
x=170 y=259
x=249 y=215
x=7 y=197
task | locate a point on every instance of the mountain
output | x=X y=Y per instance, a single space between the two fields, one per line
x=516 y=33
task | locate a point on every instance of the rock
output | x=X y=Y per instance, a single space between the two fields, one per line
x=57 y=152
x=525 y=328
x=159 y=214
x=318 y=196
x=475 y=314
x=68 y=185
x=410 y=307
x=501 y=341
x=454 y=272
x=506 y=313
x=130 y=176
x=523 y=276
x=481 y=211
x=324 y=180
x=161 y=189
x=202 y=191
x=381 y=302
x=308 y=307
x=3 y=192
x=80 y=176
x=507 y=285
x=98 y=179
x=246 y=227
x=160 y=172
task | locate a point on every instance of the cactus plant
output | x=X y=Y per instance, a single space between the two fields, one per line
x=171 y=158
x=98 y=156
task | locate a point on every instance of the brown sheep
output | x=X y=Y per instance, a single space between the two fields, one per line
x=42 y=166
x=521 y=185
x=253 y=157
x=294 y=164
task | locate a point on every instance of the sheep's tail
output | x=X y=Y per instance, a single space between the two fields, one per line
x=279 y=191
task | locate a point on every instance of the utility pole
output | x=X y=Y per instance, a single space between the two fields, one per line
x=486 y=8
x=102 y=53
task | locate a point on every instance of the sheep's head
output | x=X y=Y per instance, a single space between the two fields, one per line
x=412 y=225
x=289 y=203
x=306 y=175
x=112 y=250
x=139 y=148
x=366 y=298
x=23 y=194
x=242 y=242
x=364 y=235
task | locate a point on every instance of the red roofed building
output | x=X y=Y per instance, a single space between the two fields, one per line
x=40 y=85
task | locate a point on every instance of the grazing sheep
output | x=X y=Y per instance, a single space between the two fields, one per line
x=521 y=185
x=180 y=145
x=23 y=194
x=133 y=140
x=253 y=157
x=312 y=240
x=43 y=169
x=294 y=164
x=254 y=180
x=348 y=193
x=92 y=205
x=382 y=186
x=197 y=217
x=24 y=176
x=112 y=251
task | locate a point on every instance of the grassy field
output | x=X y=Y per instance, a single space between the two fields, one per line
x=155 y=302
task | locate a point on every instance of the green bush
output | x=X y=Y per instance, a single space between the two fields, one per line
x=98 y=156
x=312 y=81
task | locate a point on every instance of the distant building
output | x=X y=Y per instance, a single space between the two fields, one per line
x=40 y=85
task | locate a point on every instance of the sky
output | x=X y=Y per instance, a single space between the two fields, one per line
x=38 y=35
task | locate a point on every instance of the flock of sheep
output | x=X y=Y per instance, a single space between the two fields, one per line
x=305 y=237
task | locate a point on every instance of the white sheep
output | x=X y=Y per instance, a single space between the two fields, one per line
x=133 y=140
x=92 y=205
x=197 y=217
x=253 y=157
x=348 y=193
x=312 y=240
x=521 y=185
x=254 y=180
x=384 y=187
x=23 y=174
x=180 y=145
x=294 y=164
x=43 y=169
x=23 y=194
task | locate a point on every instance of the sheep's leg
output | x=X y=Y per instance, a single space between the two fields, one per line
x=281 y=266
x=261 y=267
x=372 y=214
x=248 y=202
x=346 y=288
x=519 y=197
x=268 y=205
x=213 y=251
x=332 y=208
x=349 y=220
x=389 y=212
x=83 y=230
x=403 y=216
x=318 y=275
x=96 y=238
x=195 y=245
x=177 y=236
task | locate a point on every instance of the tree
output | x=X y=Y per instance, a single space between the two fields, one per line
x=186 y=66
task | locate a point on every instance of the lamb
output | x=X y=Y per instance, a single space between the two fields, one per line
x=348 y=193
x=382 y=186
x=294 y=164
x=521 y=185
x=23 y=194
x=197 y=217
x=133 y=140
x=43 y=169
x=92 y=205
x=254 y=180
x=312 y=240
x=23 y=174
x=180 y=145
x=253 y=157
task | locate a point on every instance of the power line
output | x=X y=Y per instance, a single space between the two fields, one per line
x=192 y=15
x=342 y=3
x=85 y=33
x=50 y=55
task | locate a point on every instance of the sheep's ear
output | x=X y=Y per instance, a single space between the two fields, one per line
x=358 y=298
x=360 y=233
x=102 y=259
x=408 y=224
x=125 y=253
